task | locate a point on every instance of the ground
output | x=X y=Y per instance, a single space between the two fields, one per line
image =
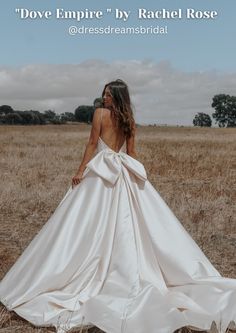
x=194 y=170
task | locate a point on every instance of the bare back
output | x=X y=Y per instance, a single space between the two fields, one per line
x=109 y=134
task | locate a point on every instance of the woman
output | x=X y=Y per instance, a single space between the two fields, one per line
x=117 y=124
x=113 y=254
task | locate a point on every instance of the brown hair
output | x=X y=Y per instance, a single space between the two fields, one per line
x=122 y=111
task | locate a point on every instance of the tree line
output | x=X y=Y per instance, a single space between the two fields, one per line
x=224 y=114
x=83 y=113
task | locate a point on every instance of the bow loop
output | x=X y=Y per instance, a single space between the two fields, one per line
x=108 y=165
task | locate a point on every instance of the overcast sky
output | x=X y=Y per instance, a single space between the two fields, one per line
x=171 y=77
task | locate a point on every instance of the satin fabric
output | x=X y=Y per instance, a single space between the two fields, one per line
x=113 y=255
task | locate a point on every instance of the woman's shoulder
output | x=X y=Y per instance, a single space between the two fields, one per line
x=101 y=109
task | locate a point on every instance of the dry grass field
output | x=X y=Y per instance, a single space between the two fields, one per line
x=194 y=170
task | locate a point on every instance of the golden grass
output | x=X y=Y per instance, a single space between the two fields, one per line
x=194 y=170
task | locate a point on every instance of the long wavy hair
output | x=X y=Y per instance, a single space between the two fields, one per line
x=122 y=111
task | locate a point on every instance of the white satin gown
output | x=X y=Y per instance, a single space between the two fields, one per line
x=113 y=255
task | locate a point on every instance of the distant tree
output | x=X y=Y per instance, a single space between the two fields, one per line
x=52 y=118
x=13 y=118
x=5 y=109
x=202 y=119
x=39 y=117
x=67 y=116
x=84 y=113
x=225 y=110
x=29 y=117
x=98 y=102
x=57 y=120
x=25 y=117
x=49 y=115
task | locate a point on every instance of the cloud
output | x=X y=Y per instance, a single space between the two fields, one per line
x=160 y=93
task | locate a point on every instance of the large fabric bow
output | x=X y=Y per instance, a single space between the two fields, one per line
x=109 y=164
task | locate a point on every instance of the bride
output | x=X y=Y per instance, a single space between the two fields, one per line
x=113 y=254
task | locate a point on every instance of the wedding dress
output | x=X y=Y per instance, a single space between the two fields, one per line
x=113 y=255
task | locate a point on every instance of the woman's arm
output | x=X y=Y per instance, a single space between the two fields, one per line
x=93 y=140
x=90 y=147
x=89 y=150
